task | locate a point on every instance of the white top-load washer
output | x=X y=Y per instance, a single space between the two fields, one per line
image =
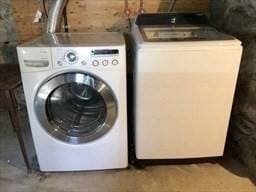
x=75 y=89
x=185 y=77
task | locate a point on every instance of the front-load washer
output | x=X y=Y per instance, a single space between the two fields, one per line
x=75 y=90
x=185 y=74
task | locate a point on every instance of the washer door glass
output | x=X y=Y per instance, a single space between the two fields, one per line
x=76 y=107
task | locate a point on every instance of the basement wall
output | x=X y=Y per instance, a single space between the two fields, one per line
x=238 y=17
x=94 y=15
x=8 y=41
x=17 y=26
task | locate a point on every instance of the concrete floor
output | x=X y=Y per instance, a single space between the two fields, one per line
x=225 y=176
x=181 y=178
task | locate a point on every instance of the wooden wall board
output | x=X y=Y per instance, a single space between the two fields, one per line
x=23 y=13
x=95 y=15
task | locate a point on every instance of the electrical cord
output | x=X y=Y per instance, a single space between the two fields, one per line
x=127 y=13
x=65 y=19
x=172 y=5
x=45 y=10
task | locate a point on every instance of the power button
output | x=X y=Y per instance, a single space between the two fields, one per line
x=115 y=62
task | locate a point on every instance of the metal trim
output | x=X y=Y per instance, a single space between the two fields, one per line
x=75 y=77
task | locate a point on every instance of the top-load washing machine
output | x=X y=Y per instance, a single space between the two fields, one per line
x=185 y=75
x=75 y=89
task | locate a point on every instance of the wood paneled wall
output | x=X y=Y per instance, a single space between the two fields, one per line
x=94 y=15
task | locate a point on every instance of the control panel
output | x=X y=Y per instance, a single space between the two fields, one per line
x=84 y=56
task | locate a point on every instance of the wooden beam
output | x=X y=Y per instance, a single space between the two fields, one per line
x=95 y=15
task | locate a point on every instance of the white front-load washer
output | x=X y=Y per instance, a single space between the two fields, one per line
x=75 y=90
x=185 y=76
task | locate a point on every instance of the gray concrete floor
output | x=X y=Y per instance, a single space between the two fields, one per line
x=225 y=176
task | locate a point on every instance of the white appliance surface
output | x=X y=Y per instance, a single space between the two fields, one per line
x=88 y=68
x=184 y=91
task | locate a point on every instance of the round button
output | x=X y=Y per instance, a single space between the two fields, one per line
x=95 y=63
x=83 y=62
x=105 y=62
x=115 y=62
x=71 y=57
x=59 y=63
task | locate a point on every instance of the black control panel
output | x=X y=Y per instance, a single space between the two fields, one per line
x=172 y=19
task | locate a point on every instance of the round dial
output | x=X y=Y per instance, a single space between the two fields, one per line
x=115 y=62
x=105 y=62
x=95 y=63
x=71 y=57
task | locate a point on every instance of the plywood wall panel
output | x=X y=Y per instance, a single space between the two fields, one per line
x=23 y=13
x=95 y=15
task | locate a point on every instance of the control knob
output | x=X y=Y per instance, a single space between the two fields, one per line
x=115 y=62
x=105 y=62
x=95 y=63
x=71 y=57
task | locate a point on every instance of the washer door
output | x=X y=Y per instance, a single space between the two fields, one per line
x=76 y=107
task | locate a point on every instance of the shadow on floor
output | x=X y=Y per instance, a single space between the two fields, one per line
x=233 y=165
x=10 y=152
x=10 y=149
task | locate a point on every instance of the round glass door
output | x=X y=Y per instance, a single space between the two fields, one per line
x=76 y=107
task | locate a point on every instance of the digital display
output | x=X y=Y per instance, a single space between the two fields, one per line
x=105 y=52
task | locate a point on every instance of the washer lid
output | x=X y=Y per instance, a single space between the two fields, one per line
x=166 y=34
x=178 y=29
